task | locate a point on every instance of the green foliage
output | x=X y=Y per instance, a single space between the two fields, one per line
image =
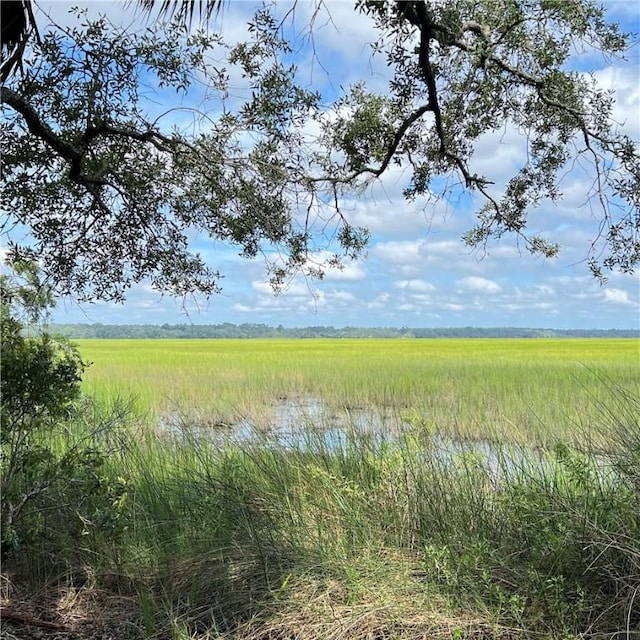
x=502 y=65
x=551 y=545
x=259 y=330
x=47 y=470
x=367 y=129
x=40 y=375
x=112 y=192
x=127 y=194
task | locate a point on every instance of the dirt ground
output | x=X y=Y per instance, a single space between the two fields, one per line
x=63 y=613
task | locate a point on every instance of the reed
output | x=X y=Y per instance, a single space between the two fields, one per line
x=413 y=536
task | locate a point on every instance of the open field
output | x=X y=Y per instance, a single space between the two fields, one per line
x=524 y=390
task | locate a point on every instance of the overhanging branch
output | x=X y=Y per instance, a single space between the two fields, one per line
x=75 y=154
x=36 y=125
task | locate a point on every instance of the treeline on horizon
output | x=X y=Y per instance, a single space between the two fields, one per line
x=255 y=330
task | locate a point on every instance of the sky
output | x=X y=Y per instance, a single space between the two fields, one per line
x=417 y=272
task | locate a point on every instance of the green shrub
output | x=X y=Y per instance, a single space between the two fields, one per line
x=47 y=469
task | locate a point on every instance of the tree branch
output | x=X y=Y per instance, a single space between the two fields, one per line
x=36 y=125
x=75 y=154
x=428 y=29
x=417 y=14
x=158 y=140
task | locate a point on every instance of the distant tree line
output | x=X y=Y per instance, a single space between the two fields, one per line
x=256 y=330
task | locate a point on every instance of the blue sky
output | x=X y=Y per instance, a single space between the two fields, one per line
x=417 y=272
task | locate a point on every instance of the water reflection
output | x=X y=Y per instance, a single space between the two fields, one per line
x=308 y=424
x=292 y=423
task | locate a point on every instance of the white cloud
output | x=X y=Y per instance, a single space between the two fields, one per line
x=498 y=154
x=451 y=306
x=479 y=285
x=422 y=250
x=415 y=285
x=243 y=308
x=389 y=218
x=292 y=289
x=341 y=296
x=351 y=270
x=625 y=82
x=545 y=306
x=617 y=296
x=544 y=290
x=380 y=302
x=398 y=251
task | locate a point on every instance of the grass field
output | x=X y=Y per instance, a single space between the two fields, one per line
x=431 y=533
x=523 y=390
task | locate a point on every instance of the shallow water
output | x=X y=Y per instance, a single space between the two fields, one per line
x=307 y=424
x=292 y=423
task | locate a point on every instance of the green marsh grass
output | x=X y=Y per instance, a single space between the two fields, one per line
x=508 y=390
x=491 y=512
x=376 y=538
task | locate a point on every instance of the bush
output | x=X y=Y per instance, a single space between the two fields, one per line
x=47 y=469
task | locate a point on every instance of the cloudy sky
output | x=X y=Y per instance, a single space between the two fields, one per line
x=416 y=272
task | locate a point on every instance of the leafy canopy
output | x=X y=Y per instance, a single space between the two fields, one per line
x=108 y=189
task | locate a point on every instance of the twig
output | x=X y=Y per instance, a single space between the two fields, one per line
x=14 y=616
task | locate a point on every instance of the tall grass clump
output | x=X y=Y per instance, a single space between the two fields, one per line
x=406 y=536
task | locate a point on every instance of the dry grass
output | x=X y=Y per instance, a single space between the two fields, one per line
x=311 y=610
x=59 y=610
